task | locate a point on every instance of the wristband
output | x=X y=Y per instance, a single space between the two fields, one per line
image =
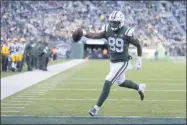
x=84 y=32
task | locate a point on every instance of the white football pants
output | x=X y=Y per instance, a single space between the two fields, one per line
x=117 y=72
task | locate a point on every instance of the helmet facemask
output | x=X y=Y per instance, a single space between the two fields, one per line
x=114 y=25
x=116 y=20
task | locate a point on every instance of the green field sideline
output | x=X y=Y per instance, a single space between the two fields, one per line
x=10 y=73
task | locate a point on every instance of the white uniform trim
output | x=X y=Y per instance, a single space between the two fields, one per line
x=129 y=32
x=21 y=48
x=106 y=27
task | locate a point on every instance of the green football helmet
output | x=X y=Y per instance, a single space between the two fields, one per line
x=116 y=20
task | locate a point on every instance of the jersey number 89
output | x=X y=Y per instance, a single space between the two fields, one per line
x=116 y=44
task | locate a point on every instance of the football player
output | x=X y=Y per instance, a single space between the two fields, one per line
x=119 y=37
x=20 y=54
x=14 y=53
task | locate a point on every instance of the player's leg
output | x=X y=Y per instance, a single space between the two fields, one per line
x=122 y=82
x=20 y=60
x=17 y=59
x=13 y=62
x=115 y=69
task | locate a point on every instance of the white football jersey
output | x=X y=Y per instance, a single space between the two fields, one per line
x=14 y=48
x=21 y=48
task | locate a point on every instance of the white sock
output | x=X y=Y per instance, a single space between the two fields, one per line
x=139 y=88
x=96 y=107
x=12 y=64
x=15 y=64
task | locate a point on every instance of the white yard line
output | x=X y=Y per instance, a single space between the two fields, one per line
x=37 y=92
x=147 y=83
x=89 y=99
x=10 y=104
x=12 y=84
x=13 y=107
x=153 y=90
x=151 y=81
x=8 y=111
x=46 y=87
x=91 y=117
x=27 y=96
x=32 y=94
x=17 y=101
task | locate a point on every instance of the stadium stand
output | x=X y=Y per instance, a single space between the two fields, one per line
x=155 y=21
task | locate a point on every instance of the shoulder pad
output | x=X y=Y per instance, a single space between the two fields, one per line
x=129 y=32
x=104 y=28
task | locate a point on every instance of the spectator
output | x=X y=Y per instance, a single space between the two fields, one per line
x=54 y=53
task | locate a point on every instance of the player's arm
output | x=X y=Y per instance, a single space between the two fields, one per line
x=134 y=41
x=90 y=35
x=26 y=49
x=98 y=35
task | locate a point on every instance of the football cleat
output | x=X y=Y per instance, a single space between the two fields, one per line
x=141 y=91
x=93 y=111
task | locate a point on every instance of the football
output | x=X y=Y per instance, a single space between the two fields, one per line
x=77 y=35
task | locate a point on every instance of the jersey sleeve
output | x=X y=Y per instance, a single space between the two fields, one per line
x=130 y=32
x=104 y=30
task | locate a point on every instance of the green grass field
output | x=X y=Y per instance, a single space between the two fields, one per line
x=10 y=73
x=74 y=92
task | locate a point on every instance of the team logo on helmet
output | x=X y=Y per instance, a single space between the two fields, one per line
x=116 y=20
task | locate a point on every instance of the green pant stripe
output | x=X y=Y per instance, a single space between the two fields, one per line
x=121 y=72
x=121 y=69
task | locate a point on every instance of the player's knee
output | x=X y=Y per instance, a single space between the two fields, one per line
x=120 y=83
x=108 y=83
x=108 y=78
x=120 y=80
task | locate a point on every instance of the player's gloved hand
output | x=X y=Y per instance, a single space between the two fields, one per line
x=138 y=63
x=84 y=32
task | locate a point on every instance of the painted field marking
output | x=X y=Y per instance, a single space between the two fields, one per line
x=90 y=78
x=162 y=90
x=147 y=83
x=33 y=94
x=8 y=111
x=27 y=96
x=46 y=87
x=91 y=117
x=9 y=104
x=83 y=99
x=18 y=101
x=37 y=92
x=13 y=107
x=147 y=80
x=9 y=81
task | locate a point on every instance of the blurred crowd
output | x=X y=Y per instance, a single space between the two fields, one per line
x=96 y=53
x=154 y=21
